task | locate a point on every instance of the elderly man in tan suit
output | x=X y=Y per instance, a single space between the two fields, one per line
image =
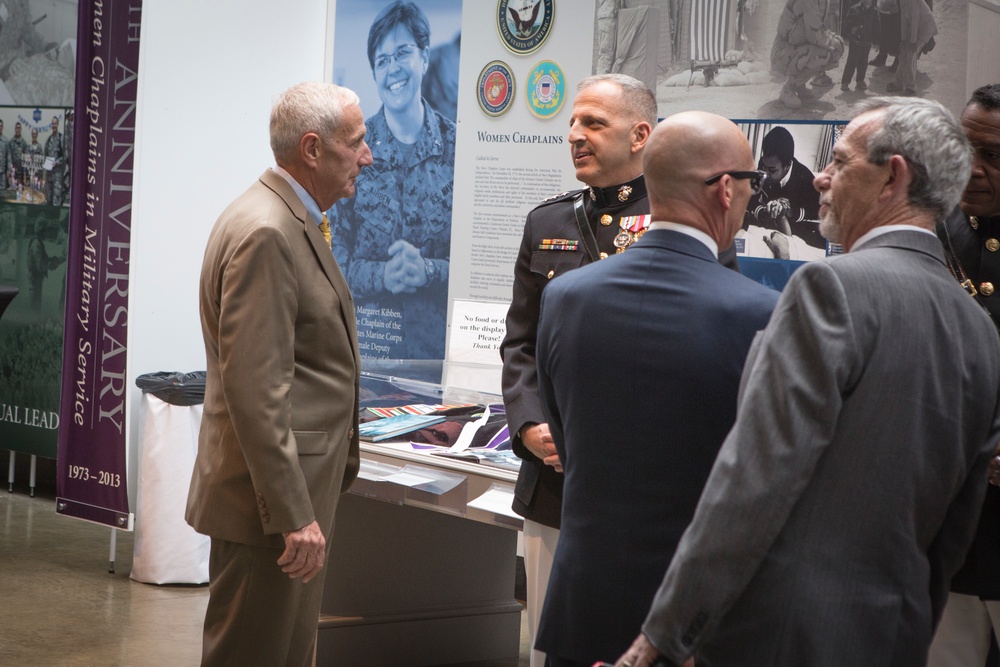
x=278 y=442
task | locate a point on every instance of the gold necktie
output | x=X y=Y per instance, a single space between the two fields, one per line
x=324 y=226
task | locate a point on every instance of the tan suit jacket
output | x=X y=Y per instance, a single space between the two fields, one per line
x=278 y=441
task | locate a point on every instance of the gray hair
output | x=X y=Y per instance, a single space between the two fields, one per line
x=638 y=100
x=309 y=106
x=932 y=142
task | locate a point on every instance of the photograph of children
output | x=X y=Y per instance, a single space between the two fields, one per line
x=393 y=238
x=782 y=219
x=785 y=58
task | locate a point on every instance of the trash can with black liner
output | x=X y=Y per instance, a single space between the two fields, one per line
x=167 y=550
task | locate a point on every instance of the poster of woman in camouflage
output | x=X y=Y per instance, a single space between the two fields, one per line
x=393 y=238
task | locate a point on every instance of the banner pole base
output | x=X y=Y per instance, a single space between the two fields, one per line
x=111 y=551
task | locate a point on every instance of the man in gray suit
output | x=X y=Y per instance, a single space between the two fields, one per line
x=278 y=441
x=847 y=492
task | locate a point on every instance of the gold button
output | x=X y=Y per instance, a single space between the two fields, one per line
x=604 y=255
x=992 y=245
x=986 y=289
x=550 y=274
x=605 y=219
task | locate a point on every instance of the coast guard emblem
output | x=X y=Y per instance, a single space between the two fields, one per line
x=545 y=89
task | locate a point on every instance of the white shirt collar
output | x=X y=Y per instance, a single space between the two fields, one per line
x=788 y=174
x=311 y=206
x=885 y=229
x=690 y=231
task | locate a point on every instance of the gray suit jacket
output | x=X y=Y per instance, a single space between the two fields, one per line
x=278 y=441
x=848 y=490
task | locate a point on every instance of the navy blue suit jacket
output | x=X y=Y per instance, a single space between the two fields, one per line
x=639 y=363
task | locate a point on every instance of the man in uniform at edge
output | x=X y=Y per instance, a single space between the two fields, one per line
x=847 y=492
x=278 y=441
x=970 y=238
x=613 y=115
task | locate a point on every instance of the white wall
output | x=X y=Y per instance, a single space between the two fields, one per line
x=208 y=73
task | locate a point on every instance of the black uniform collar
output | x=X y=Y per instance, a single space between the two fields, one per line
x=985 y=225
x=618 y=195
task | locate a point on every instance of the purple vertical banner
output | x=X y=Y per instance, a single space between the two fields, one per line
x=91 y=460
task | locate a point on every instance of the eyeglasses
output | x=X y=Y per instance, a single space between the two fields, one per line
x=756 y=178
x=405 y=52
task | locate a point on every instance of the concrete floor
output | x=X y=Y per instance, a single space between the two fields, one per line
x=59 y=605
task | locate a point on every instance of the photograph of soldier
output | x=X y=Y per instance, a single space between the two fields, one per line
x=4 y=141
x=33 y=247
x=804 y=47
x=781 y=221
x=34 y=174
x=767 y=59
x=55 y=165
x=16 y=148
x=393 y=238
x=40 y=262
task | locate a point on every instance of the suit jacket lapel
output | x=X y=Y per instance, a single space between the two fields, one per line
x=322 y=251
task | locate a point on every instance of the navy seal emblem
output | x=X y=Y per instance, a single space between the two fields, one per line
x=524 y=24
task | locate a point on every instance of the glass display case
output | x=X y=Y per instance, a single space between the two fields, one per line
x=423 y=558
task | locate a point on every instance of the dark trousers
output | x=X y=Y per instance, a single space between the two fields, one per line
x=857 y=61
x=889 y=34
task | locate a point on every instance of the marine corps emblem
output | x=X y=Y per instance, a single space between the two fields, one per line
x=496 y=88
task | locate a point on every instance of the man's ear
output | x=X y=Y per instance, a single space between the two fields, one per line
x=726 y=192
x=309 y=147
x=898 y=178
x=640 y=135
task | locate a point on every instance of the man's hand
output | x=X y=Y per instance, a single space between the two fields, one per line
x=642 y=653
x=538 y=440
x=305 y=552
x=777 y=243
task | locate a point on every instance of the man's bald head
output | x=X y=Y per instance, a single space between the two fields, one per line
x=683 y=151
